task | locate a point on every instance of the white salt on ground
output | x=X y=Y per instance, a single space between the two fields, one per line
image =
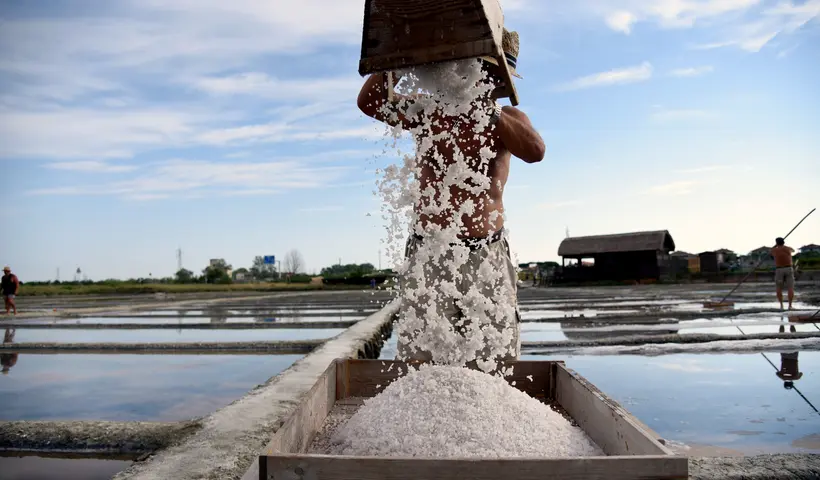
x=455 y=412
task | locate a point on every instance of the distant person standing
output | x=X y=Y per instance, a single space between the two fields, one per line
x=9 y=287
x=784 y=270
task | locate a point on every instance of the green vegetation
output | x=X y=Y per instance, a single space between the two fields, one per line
x=130 y=287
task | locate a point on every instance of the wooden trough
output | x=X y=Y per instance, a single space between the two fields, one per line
x=399 y=34
x=632 y=451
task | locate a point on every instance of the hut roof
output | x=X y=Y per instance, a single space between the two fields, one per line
x=622 y=242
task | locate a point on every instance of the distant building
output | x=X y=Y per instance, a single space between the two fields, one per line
x=710 y=262
x=761 y=258
x=810 y=248
x=220 y=262
x=627 y=256
x=685 y=262
x=762 y=252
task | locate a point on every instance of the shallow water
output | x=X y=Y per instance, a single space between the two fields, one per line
x=55 y=335
x=130 y=387
x=189 y=320
x=39 y=467
x=733 y=401
x=262 y=311
x=587 y=312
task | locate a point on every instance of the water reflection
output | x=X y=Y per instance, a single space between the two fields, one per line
x=131 y=387
x=148 y=335
x=20 y=466
x=8 y=360
x=729 y=401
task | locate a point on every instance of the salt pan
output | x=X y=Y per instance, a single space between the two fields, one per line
x=455 y=412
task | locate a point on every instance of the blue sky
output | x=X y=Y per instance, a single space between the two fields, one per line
x=229 y=129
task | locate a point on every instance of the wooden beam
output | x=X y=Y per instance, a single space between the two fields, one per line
x=320 y=467
x=300 y=428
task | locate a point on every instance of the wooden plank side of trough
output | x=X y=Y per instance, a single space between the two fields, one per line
x=301 y=427
x=368 y=378
x=324 y=467
x=613 y=428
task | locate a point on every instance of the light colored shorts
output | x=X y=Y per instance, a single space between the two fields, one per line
x=9 y=297
x=499 y=258
x=784 y=276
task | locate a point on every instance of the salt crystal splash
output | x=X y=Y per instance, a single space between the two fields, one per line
x=442 y=105
x=454 y=412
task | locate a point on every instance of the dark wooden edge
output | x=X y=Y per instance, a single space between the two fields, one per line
x=368 y=378
x=371 y=468
x=263 y=467
x=610 y=425
x=365 y=23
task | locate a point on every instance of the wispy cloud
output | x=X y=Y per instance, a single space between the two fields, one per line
x=295 y=90
x=692 y=366
x=754 y=33
x=704 y=169
x=683 y=14
x=91 y=166
x=621 y=21
x=187 y=177
x=559 y=205
x=691 y=71
x=682 y=187
x=787 y=51
x=324 y=209
x=639 y=73
x=664 y=115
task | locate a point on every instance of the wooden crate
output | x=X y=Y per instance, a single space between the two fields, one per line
x=632 y=451
x=403 y=33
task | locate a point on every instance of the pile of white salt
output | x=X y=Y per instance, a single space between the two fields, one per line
x=455 y=412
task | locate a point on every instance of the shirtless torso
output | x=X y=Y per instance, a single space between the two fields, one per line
x=782 y=256
x=513 y=135
x=488 y=216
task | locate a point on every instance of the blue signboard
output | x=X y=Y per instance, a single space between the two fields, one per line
x=270 y=260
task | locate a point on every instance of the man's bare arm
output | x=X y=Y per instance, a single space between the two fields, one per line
x=519 y=136
x=373 y=96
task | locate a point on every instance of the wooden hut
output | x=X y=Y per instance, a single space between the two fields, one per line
x=639 y=256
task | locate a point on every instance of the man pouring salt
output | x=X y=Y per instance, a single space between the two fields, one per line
x=458 y=282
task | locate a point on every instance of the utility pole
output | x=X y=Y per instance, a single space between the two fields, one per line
x=380 y=259
x=179 y=259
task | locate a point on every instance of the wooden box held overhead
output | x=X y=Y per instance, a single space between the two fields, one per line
x=403 y=33
x=632 y=451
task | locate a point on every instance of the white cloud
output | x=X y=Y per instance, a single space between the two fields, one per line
x=754 y=33
x=691 y=71
x=619 y=76
x=682 y=187
x=91 y=166
x=621 y=21
x=299 y=89
x=190 y=177
x=82 y=132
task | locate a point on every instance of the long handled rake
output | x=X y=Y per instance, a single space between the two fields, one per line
x=723 y=303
